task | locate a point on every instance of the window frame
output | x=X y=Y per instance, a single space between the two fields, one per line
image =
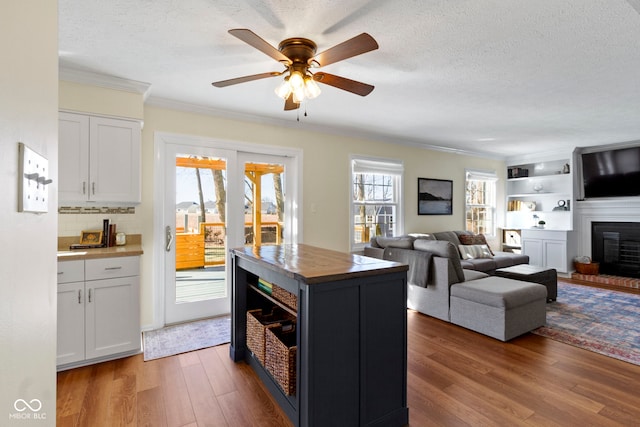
x=488 y=176
x=376 y=166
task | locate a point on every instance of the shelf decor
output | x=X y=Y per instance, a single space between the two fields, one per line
x=435 y=196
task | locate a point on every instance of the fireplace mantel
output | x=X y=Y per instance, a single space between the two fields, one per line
x=625 y=209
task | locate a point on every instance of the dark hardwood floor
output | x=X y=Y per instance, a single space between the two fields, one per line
x=456 y=377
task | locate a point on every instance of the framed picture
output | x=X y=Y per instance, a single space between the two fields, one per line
x=435 y=196
x=91 y=238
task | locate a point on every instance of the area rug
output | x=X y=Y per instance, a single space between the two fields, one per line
x=186 y=337
x=599 y=320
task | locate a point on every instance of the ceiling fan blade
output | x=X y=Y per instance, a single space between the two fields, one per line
x=225 y=83
x=290 y=105
x=349 y=85
x=256 y=41
x=347 y=49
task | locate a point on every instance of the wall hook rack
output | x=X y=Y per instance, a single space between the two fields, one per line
x=33 y=193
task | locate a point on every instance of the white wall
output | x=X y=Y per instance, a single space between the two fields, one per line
x=326 y=178
x=326 y=174
x=28 y=113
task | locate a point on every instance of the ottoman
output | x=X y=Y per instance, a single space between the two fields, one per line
x=499 y=307
x=534 y=274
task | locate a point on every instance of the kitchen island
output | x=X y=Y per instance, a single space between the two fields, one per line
x=350 y=364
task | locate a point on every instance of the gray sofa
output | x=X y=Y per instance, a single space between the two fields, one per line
x=495 y=260
x=438 y=286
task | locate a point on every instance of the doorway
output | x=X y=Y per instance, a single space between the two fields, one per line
x=215 y=197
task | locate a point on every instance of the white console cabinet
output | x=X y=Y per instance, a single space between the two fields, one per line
x=99 y=159
x=98 y=310
x=549 y=248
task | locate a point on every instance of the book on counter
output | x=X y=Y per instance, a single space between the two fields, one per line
x=84 y=246
x=108 y=234
x=105 y=233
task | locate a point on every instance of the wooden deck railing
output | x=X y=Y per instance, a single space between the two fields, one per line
x=207 y=247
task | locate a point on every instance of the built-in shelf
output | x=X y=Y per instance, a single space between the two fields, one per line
x=547 y=188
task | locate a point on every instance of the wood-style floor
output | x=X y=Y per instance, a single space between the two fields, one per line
x=455 y=378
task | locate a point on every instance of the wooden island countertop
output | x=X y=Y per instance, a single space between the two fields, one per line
x=316 y=265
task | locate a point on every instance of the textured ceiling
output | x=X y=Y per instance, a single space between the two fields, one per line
x=497 y=77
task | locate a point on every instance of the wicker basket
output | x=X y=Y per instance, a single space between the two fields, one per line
x=285 y=297
x=590 y=268
x=257 y=322
x=281 y=352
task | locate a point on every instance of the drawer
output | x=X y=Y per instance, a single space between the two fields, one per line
x=70 y=271
x=107 y=268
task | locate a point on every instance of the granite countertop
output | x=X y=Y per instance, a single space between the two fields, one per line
x=132 y=248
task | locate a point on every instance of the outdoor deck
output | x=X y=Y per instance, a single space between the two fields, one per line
x=200 y=284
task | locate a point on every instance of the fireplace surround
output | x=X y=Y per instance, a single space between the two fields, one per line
x=616 y=246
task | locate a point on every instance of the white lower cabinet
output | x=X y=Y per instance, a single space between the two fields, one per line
x=98 y=310
x=549 y=248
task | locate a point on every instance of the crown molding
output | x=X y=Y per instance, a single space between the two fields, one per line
x=75 y=75
x=332 y=130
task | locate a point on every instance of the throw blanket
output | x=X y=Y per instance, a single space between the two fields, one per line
x=418 y=262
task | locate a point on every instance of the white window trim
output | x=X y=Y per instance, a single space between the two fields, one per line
x=385 y=166
x=485 y=175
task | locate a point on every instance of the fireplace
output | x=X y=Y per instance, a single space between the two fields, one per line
x=616 y=246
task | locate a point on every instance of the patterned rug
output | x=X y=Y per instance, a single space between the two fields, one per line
x=599 y=320
x=185 y=337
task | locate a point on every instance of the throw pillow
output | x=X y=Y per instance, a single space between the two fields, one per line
x=474 y=239
x=474 y=251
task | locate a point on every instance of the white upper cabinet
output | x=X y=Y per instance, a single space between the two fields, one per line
x=99 y=159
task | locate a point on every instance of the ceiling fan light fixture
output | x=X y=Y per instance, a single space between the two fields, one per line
x=298 y=56
x=283 y=90
x=311 y=88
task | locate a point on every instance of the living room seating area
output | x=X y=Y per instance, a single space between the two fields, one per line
x=439 y=286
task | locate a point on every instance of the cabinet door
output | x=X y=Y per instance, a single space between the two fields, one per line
x=73 y=157
x=533 y=248
x=112 y=316
x=115 y=147
x=555 y=255
x=71 y=298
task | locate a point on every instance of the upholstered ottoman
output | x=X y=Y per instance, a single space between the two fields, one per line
x=499 y=307
x=534 y=274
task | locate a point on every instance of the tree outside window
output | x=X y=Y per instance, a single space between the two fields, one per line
x=481 y=202
x=375 y=203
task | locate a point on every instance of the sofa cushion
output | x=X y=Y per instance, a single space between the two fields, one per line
x=449 y=236
x=402 y=242
x=487 y=265
x=499 y=292
x=473 y=275
x=474 y=251
x=474 y=239
x=442 y=249
x=426 y=236
x=507 y=259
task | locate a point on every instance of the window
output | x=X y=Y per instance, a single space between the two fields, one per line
x=376 y=203
x=481 y=201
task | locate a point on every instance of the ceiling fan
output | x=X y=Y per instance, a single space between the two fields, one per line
x=298 y=55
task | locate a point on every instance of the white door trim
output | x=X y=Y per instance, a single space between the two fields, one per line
x=161 y=140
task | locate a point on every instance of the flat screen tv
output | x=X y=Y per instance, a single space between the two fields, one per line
x=611 y=173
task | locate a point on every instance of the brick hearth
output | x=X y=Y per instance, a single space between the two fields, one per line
x=625 y=283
